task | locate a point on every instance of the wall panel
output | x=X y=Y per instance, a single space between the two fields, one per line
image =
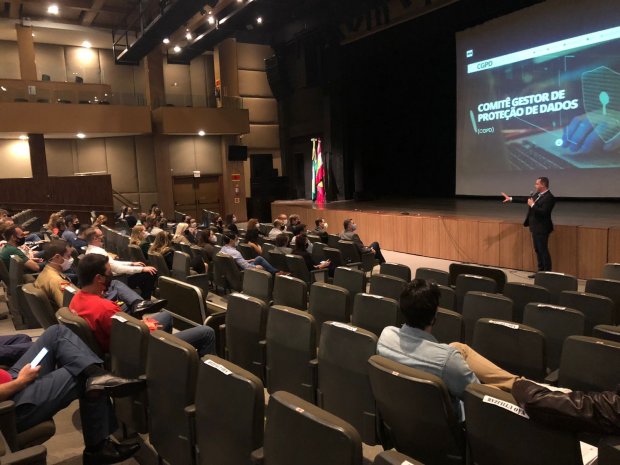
x=468 y=238
x=252 y=56
x=431 y=230
x=511 y=246
x=253 y=84
x=448 y=238
x=9 y=60
x=14 y=159
x=60 y=154
x=83 y=62
x=145 y=161
x=488 y=242
x=50 y=60
x=591 y=251
x=613 y=247
x=121 y=162
x=563 y=249
x=91 y=156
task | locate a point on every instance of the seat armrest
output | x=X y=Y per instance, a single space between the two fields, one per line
x=257 y=457
x=320 y=276
x=8 y=425
x=36 y=455
x=552 y=378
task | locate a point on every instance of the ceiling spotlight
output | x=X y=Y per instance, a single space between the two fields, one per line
x=23 y=137
x=239 y=1
x=53 y=9
x=188 y=35
x=3 y=88
x=223 y=20
x=211 y=19
x=166 y=40
x=86 y=44
x=176 y=49
x=201 y=133
x=80 y=135
x=259 y=20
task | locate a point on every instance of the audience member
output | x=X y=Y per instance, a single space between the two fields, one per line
x=581 y=412
x=219 y=225
x=321 y=229
x=230 y=224
x=95 y=275
x=301 y=249
x=294 y=225
x=138 y=237
x=139 y=275
x=252 y=224
x=70 y=232
x=100 y=221
x=12 y=347
x=251 y=237
x=179 y=234
x=69 y=371
x=414 y=345
x=80 y=243
x=281 y=243
x=190 y=232
x=349 y=234
x=15 y=239
x=206 y=240
x=158 y=224
x=163 y=246
x=51 y=224
x=277 y=229
x=130 y=218
x=230 y=247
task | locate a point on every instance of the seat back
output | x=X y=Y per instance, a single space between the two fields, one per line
x=515 y=347
x=219 y=270
x=171 y=366
x=258 y=283
x=611 y=271
x=247 y=251
x=522 y=294
x=349 y=251
x=296 y=265
x=128 y=345
x=447 y=297
x=352 y=279
x=608 y=288
x=597 y=309
x=374 y=312
x=497 y=275
x=328 y=303
x=417 y=412
x=334 y=255
x=267 y=248
x=181 y=262
x=393 y=457
x=4 y=274
x=291 y=346
x=555 y=283
x=487 y=407
x=556 y=323
x=387 y=286
x=344 y=387
x=246 y=324
x=448 y=326
x=158 y=261
x=80 y=327
x=135 y=254
x=478 y=305
x=290 y=292
x=589 y=364
x=232 y=274
x=39 y=305
x=185 y=302
x=432 y=274
x=278 y=260
x=229 y=416
x=298 y=432
x=396 y=269
x=469 y=282
x=318 y=252
x=609 y=332
x=122 y=246
x=332 y=240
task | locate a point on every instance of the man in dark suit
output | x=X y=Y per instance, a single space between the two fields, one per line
x=540 y=203
x=349 y=234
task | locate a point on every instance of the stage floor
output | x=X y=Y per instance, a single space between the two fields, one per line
x=597 y=214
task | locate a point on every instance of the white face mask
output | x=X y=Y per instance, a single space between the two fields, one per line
x=213 y=239
x=325 y=225
x=193 y=225
x=66 y=263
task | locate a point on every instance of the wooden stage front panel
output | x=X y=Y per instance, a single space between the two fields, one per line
x=578 y=250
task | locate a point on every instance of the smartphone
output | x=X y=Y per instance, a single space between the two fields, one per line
x=42 y=353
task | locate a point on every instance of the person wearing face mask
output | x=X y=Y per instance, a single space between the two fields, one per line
x=70 y=232
x=321 y=229
x=349 y=234
x=191 y=231
x=206 y=240
x=15 y=238
x=55 y=278
x=301 y=249
x=95 y=275
x=231 y=225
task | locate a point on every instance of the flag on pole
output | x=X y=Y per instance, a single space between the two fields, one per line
x=314 y=169
x=320 y=175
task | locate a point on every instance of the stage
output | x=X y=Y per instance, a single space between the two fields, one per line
x=487 y=232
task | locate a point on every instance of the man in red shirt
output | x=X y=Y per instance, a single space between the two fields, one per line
x=95 y=274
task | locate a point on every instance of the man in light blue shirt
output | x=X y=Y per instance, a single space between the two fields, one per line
x=413 y=345
x=230 y=241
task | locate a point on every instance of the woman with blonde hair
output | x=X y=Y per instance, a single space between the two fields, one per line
x=162 y=245
x=138 y=237
x=179 y=234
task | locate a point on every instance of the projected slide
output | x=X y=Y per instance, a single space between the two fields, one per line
x=544 y=110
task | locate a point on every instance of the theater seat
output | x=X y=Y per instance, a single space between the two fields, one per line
x=387 y=286
x=396 y=269
x=259 y=284
x=81 y=328
x=329 y=303
x=523 y=294
x=432 y=274
x=374 y=313
x=417 y=412
x=392 y=457
x=290 y=292
x=299 y=433
x=448 y=326
x=555 y=283
x=16 y=441
x=39 y=305
x=497 y=429
x=589 y=364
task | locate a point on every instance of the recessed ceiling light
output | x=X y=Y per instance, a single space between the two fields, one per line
x=166 y=40
x=3 y=88
x=259 y=20
x=188 y=35
x=176 y=49
x=23 y=137
x=33 y=34
x=53 y=9
x=80 y=135
x=211 y=19
x=86 y=44
x=201 y=133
